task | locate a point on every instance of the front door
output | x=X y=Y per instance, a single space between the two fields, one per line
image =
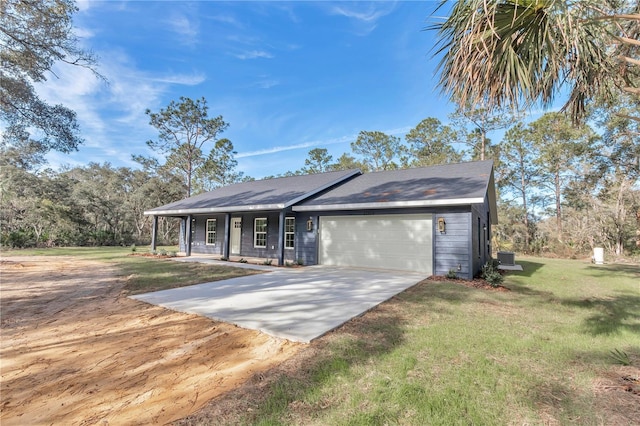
x=236 y=233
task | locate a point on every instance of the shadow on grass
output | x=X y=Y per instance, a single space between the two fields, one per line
x=294 y=387
x=528 y=268
x=606 y=270
x=612 y=314
x=608 y=401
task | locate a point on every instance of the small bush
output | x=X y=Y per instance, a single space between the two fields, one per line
x=163 y=252
x=288 y=264
x=267 y=262
x=452 y=274
x=621 y=357
x=154 y=252
x=173 y=254
x=300 y=262
x=243 y=260
x=224 y=259
x=133 y=248
x=491 y=273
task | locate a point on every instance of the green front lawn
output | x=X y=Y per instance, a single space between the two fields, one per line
x=445 y=354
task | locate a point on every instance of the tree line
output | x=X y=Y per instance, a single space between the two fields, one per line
x=563 y=187
x=567 y=182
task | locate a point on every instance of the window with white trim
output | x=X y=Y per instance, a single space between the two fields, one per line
x=211 y=232
x=289 y=232
x=260 y=232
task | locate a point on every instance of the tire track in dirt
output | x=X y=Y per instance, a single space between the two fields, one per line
x=74 y=350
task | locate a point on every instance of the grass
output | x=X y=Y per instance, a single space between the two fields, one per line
x=445 y=354
x=143 y=274
x=441 y=353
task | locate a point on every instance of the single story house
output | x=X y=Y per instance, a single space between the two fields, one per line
x=431 y=219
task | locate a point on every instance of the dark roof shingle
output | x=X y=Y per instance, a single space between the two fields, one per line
x=267 y=194
x=462 y=183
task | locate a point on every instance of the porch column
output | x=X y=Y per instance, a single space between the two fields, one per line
x=281 y=238
x=227 y=235
x=154 y=232
x=187 y=237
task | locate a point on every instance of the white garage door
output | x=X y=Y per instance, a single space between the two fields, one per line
x=384 y=241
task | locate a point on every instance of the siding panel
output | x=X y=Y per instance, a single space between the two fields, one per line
x=451 y=248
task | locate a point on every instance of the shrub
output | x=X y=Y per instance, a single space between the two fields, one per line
x=163 y=252
x=243 y=260
x=133 y=248
x=452 y=274
x=491 y=273
x=224 y=259
x=620 y=356
x=173 y=254
x=267 y=262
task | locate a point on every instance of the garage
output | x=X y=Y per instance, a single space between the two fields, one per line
x=402 y=242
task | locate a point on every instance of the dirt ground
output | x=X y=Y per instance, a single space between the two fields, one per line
x=75 y=350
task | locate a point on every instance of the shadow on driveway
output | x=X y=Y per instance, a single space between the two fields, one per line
x=295 y=304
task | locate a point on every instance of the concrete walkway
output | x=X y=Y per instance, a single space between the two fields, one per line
x=298 y=304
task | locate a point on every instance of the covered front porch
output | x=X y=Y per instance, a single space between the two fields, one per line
x=266 y=237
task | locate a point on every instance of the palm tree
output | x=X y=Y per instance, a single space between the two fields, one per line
x=516 y=53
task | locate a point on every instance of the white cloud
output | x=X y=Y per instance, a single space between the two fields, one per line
x=110 y=113
x=186 y=28
x=275 y=149
x=227 y=19
x=364 y=15
x=253 y=54
x=317 y=143
x=182 y=79
x=266 y=83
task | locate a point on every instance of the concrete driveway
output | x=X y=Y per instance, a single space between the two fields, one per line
x=298 y=304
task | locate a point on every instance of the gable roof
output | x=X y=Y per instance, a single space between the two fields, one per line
x=267 y=194
x=443 y=185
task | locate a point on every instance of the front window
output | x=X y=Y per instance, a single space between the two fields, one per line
x=289 y=232
x=260 y=232
x=211 y=231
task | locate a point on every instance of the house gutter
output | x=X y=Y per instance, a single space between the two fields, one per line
x=389 y=205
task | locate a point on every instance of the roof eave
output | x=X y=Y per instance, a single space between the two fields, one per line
x=231 y=209
x=389 y=205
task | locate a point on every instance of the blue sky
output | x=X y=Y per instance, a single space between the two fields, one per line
x=287 y=76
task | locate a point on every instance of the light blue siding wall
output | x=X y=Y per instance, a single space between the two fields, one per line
x=451 y=248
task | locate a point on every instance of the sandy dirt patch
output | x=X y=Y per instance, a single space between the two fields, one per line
x=75 y=350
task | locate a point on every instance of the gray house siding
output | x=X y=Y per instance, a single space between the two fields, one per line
x=199 y=238
x=306 y=241
x=451 y=248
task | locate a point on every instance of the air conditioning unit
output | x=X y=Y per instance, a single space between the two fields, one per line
x=507 y=258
